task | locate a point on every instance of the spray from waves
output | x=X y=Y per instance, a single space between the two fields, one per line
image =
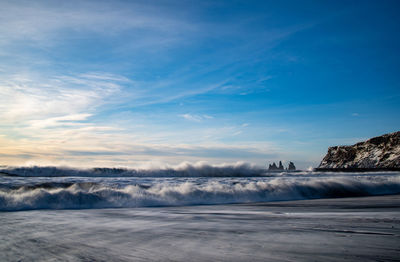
x=182 y=170
x=94 y=195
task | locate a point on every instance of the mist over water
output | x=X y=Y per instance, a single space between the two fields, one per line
x=182 y=170
x=61 y=188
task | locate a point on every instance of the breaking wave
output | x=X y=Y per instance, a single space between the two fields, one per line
x=183 y=170
x=81 y=195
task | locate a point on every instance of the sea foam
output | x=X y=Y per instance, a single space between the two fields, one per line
x=82 y=195
x=182 y=170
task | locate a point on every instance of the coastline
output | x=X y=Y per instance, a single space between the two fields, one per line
x=345 y=229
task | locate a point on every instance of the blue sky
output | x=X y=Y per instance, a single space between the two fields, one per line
x=153 y=83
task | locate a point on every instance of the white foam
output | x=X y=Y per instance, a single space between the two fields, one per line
x=193 y=192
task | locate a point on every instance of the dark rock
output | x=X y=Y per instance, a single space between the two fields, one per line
x=281 y=166
x=291 y=167
x=273 y=167
x=379 y=152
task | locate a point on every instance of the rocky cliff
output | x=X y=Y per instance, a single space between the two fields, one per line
x=382 y=152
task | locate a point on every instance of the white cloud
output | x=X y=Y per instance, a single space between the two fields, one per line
x=51 y=115
x=89 y=148
x=27 y=97
x=67 y=120
x=190 y=117
x=196 y=118
x=237 y=133
x=41 y=22
x=42 y=117
x=31 y=31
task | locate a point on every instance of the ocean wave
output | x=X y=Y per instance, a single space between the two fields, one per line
x=182 y=170
x=97 y=195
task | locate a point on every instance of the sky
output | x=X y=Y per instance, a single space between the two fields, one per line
x=159 y=83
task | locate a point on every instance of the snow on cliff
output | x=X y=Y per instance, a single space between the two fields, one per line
x=378 y=152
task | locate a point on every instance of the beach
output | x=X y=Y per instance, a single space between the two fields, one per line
x=190 y=131
x=338 y=229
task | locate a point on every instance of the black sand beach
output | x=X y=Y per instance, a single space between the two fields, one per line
x=343 y=229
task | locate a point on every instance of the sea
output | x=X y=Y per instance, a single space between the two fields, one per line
x=198 y=214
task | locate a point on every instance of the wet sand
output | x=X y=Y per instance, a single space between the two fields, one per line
x=345 y=229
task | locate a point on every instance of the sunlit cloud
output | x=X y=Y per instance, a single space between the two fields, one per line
x=67 y=120
x=25 y=97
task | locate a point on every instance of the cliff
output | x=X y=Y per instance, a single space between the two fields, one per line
x=382 y=152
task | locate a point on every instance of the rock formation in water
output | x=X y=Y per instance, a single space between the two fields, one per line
x=281 y=166
x=382 y=152
x=291 y=167
x=273 y=167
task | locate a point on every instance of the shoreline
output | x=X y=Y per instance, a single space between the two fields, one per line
x=345 y=229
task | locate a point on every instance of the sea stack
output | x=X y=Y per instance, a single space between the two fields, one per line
x=291 y=167
x=274 y=167
x=378 y=153
x=281 y=166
